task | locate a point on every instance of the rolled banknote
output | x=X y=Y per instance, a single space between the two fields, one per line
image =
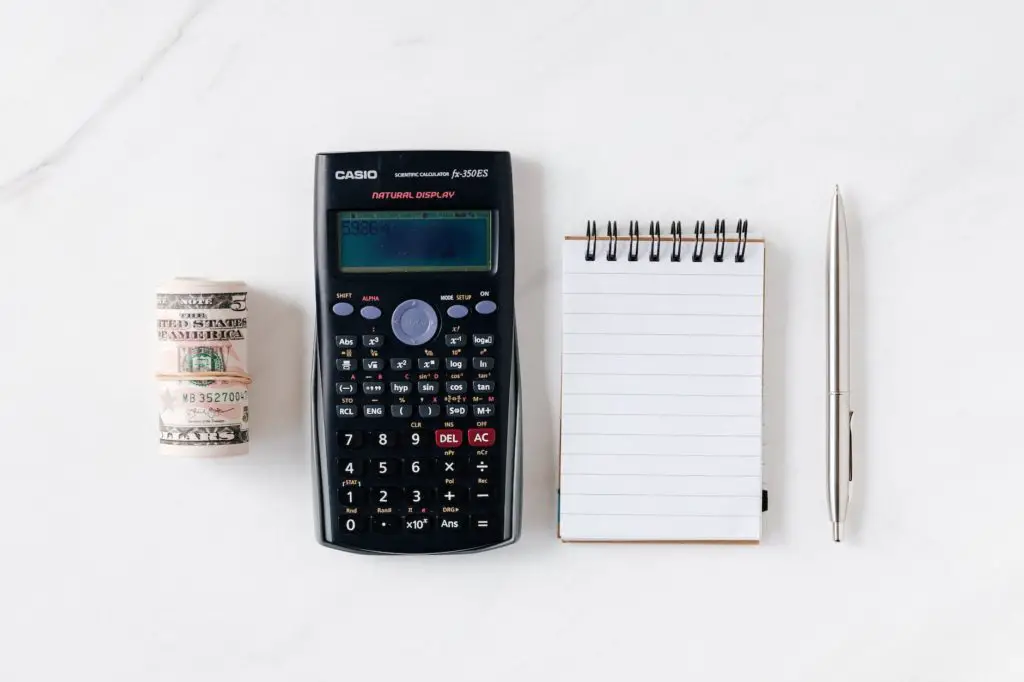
x=202 y=367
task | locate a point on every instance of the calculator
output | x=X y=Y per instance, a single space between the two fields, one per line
x=416 y=403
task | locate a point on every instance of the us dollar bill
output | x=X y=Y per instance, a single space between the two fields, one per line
x=202 y=327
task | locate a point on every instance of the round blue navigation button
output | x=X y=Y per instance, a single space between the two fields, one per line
x=342 y=308
x=458 y=311
x=414 y=322
x=486 y=307
x=369 y=312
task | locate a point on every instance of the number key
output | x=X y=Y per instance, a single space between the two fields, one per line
x=353 y=496
x=350 y=440
x=383 y=497
x=417 y=495
x=417 y=467
x=350 y=467
x=385 y=468
x=385 y=439
x=415 y=439
x=352 y=524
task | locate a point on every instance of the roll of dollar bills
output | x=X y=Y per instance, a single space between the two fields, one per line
x=202 y=370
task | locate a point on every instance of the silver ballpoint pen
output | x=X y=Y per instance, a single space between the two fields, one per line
x=840 y=416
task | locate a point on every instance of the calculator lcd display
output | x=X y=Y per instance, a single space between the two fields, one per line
x=414 y=241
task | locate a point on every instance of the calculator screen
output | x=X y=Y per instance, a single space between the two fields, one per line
x=414 y=241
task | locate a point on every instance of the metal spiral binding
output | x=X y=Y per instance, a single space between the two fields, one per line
x=677 y=240
x=675 y=232
x=591 y=240
x=719 y=240
x=634 y=240
x=741 y=236
x=698 y=245
x=655 y=234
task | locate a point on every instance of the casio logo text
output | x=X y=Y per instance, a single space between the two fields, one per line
x=355 y=175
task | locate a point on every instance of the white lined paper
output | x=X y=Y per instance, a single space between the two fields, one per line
x=661 y=396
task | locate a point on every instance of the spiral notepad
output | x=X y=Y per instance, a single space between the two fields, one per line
x=661 y=385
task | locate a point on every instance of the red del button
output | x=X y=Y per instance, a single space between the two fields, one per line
x=448 y=438
x=481 y=438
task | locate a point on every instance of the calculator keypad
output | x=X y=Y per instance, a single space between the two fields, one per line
x=418 y=429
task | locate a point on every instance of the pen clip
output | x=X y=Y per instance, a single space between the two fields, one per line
x=850 y=452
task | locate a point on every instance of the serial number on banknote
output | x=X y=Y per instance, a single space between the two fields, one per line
x=213 y=397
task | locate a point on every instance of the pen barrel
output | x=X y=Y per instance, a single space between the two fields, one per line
x=840 y=450
x=838 y=306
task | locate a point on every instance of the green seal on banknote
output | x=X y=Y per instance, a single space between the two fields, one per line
x=202 y=359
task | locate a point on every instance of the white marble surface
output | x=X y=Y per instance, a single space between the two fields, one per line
x=139 y=141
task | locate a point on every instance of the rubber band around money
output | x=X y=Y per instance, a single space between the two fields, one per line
x=189 y=376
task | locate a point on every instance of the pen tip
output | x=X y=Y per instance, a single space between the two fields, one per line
x=837 y=189
x=836 y=527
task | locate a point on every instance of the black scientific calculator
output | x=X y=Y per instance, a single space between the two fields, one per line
x=416 y=403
